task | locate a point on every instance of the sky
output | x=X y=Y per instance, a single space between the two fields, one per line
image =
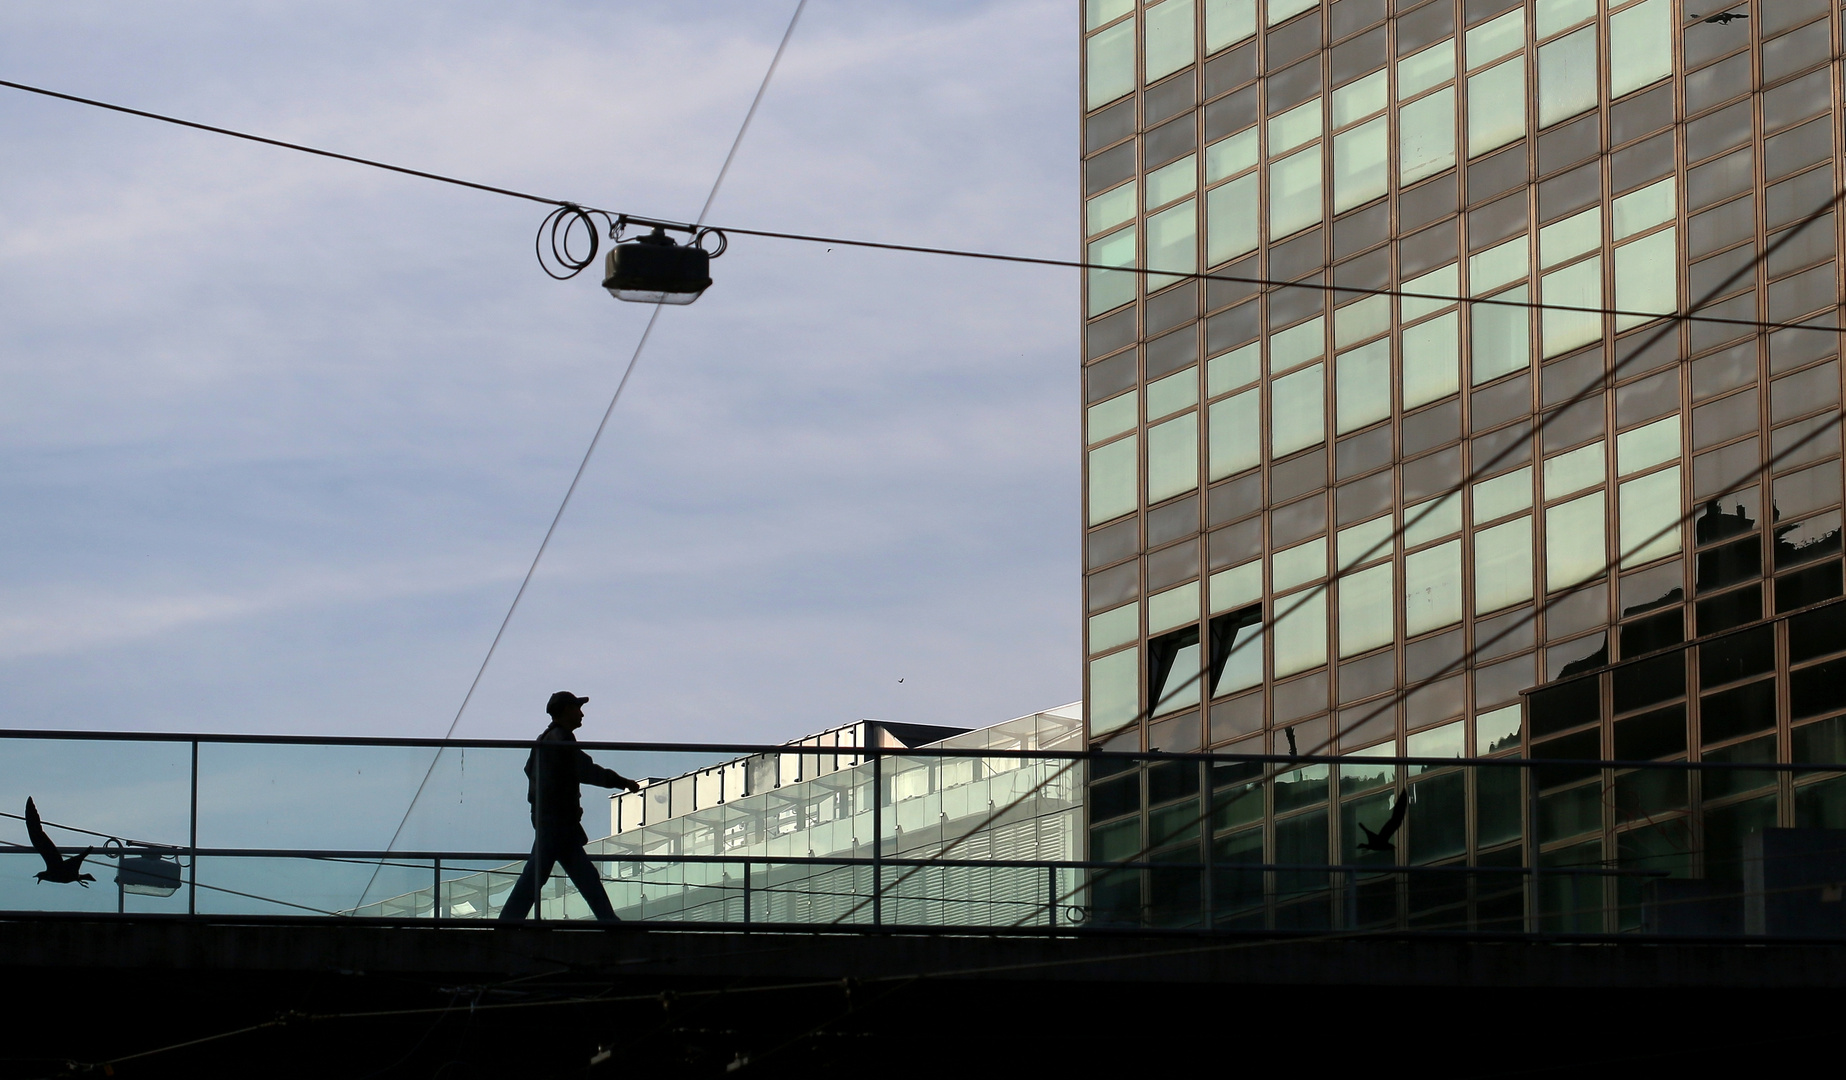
x=281 y=434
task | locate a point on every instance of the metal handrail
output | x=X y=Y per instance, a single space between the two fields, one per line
x=917 y=752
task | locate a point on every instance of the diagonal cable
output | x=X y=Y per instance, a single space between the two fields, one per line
x=588 y=453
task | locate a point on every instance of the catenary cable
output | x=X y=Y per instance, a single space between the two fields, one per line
x=919 y=249
x=589 y=452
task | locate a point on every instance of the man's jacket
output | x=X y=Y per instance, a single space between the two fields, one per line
x=554 y=768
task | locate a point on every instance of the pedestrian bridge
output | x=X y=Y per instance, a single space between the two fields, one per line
x=1006 y=832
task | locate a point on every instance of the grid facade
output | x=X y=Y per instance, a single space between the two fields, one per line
x=1346 y=523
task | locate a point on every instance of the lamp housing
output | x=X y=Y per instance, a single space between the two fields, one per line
x=652 y=269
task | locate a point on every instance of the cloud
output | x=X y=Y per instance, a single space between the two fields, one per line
x=282 y=434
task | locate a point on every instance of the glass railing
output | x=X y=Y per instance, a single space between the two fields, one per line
x=949 y=836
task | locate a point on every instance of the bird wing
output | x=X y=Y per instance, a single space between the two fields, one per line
x=36 y=830
x=1398 y=810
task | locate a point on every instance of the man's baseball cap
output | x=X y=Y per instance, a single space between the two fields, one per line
x=563 y=699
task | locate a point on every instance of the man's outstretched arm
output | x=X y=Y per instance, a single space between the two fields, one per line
x=588 y=772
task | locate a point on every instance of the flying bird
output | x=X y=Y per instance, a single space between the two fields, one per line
x=1725 y=18
x=1290 y=732
x=1381 y=840
x=57 y=867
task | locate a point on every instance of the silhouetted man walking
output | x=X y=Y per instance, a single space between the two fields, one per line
x=553 y=770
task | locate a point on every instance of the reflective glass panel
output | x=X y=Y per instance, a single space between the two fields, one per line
x=1173 y=241
x=1426 y=136
x=1230 y=156
x=1356 y=322
x=1097 y=12
x=1300 y=632
x=1302 y=563
x=1175 y=181
x=1578 y=286
x=1110 y=418
x=1236 y=434
x=1574 y=542
x=1361 y=164
x=1567 y=75
x=1497 y=106
x=1432 y=588
x=1503 y=495
x=1365 y=542
x=1503 y=565
x=1294 y=193
x=1555 y=15
x=1641 y=210
x=1420 y=71
x=1360 y=99
x=1432 y=520
x=1581 y=468
x=1286 y=9
x=1236 y=587
x=1112 y=480
x=1564 y=240
x=1366 y=609
x=1640 y=46
x=1364 y=386
x=1498 y=265
x=1496 y=37
x=1657 y=442
x=1646 y=278
x=1112 y=288
x=1502 y=337
x=1432 y=362
x=1439 y=283
x=1111 y=208
x=1169 y=37
x=1650 y=509
x=1173 y=393
x=1297 y=418
x=1115 y=690
x=1298 y=125
x=1174 y=607
x=1236 y=368
x=1110 y=64
x=1297 y=345
x=1231 y=212
x=1227 y=22
x=1172 y=457
x=1112 y=628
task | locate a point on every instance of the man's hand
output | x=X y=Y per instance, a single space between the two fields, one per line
x=631 y=785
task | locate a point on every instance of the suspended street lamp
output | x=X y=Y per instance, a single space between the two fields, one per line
x=651 y=268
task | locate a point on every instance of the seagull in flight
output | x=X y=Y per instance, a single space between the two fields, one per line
x=1381 y=840
x=57 y=867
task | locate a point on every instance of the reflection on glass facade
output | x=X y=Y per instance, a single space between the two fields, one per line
x=817 y=800
x=1327 y=522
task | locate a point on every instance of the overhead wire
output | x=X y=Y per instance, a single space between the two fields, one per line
x=923 y=249
x=590 y=451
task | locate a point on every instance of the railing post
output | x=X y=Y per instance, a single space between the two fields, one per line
x=1535 y=902
x=746 y=865
x=1051 y=897
x=192 y=888
x=878 y=838
x=435 y=893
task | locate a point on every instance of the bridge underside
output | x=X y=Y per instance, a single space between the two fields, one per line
x=543 y=1000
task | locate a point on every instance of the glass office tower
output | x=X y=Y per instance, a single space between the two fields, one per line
x=1335 y=522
